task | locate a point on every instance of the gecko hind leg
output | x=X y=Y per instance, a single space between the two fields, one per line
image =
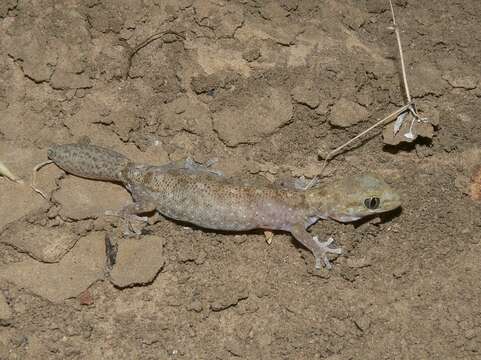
x=129 y=221
x=129 y=213
x=129 y=217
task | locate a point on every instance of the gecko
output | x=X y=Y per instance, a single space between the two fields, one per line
x=190 y=192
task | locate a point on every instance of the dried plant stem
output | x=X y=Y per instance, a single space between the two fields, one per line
x=145 y=43
x=34 y=176
x=389 y=117
x=401 y=56
x=409 y=105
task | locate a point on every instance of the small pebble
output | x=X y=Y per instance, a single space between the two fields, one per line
x=86 y=298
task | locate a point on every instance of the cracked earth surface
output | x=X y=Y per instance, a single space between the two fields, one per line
x=261 y=86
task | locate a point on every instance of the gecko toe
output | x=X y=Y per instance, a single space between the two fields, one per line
x=323 y=250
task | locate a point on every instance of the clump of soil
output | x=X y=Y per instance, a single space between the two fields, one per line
x=260 y=86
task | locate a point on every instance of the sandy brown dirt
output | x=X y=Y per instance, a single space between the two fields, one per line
x=262 y=86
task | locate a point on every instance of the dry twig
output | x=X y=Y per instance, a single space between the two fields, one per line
x=387 y=118
x=34 y=176
x=145 y=43
x=401 y=56
x=399 y=114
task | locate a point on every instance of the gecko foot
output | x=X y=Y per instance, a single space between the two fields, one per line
x=323 y=250
x=129 y=220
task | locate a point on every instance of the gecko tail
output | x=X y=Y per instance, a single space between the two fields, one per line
x=89 y=161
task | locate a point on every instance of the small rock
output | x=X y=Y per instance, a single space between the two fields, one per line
x=35 y=53
x=227 y=296
x=323 y=107
x=63 y=80
x=77 y=270
x=376 y=7
x=458 y=80
x=426 y=79
x=353 y=17
x=346 y=113
x=37 y=69
x=195 y=305
x=211 y=83
x=42 y=243
x=400 y=271
x=261 y=115
x=86 y=298
x=138 y=261
x=125 y=121
x=251 y=54
x=186 y=114
x=273 y=10
x=87 y=199
x=5 y=6
x=362 y=322
x=306 y=95
x=5 y=311
x=423 y=129
x=234 y=347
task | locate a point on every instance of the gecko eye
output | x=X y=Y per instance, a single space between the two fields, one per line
x=372 y=203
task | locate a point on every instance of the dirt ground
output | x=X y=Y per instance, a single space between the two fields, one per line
x=261 y=86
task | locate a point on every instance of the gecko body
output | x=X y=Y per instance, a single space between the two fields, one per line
x=192 y=193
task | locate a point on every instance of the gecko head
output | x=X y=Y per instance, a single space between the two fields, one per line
x=356 y=197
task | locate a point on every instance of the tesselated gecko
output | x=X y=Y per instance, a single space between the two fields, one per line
x=190 y=192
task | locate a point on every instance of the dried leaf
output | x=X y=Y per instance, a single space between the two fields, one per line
x=7 y=173
x=399 y=121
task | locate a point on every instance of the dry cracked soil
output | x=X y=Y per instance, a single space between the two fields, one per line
x=261 y=86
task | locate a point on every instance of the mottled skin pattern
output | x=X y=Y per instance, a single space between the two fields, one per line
x=89 y=161
x=210 y=201
x=189 y=192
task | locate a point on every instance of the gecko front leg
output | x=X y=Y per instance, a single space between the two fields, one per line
x=318 y=248
x=129 y=213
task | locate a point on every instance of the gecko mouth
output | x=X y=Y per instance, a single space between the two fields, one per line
x=345 y=218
